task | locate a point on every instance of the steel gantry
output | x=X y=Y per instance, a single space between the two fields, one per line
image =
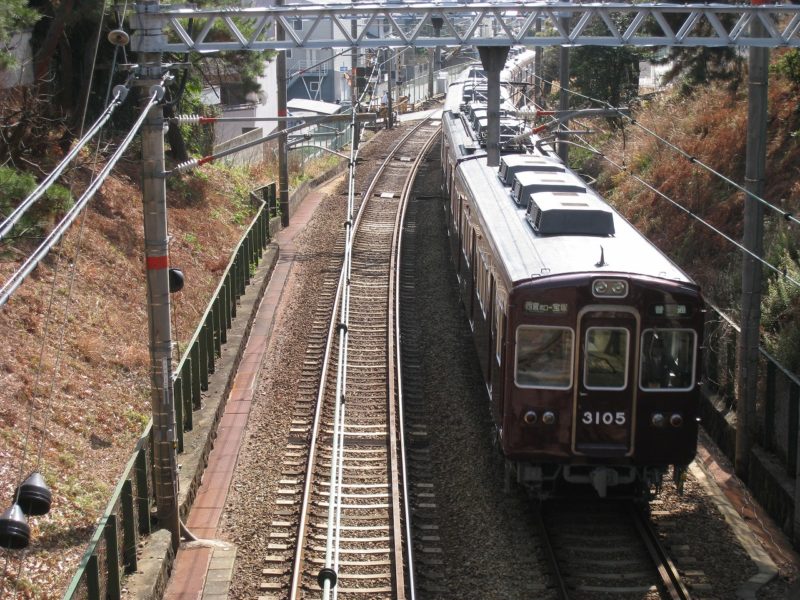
x=396 y=24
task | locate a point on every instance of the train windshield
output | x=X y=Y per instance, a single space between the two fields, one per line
x=606 y=363
x=544 y=357
x=667 y=359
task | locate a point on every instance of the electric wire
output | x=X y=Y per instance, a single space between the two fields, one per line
x=588 y=146
x=94 y=64
x=788 y=216
x=693 y=215
x=121 y=92
x=76 y=257
x=35 y=258
x=48 y=321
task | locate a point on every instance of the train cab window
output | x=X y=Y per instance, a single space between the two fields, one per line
x=544 y=357
x=606 y=358
x=667 y=359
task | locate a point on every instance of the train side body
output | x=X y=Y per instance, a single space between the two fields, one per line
x=588 y=336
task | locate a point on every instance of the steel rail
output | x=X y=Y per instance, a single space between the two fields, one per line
x=395 y=323
x=396 y=526
x=297 y=571
x=552 y=559
x=667 y=571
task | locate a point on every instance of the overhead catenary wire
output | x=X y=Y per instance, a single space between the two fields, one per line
x=120 y=93
x=586 y=145
x=787 y=215
x=196 y=162
x=688 y=211
x=16 y=279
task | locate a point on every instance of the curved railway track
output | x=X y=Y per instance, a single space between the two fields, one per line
x=354 y=547
x=606 y=550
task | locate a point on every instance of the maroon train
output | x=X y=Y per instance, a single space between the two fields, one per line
x=588 y=336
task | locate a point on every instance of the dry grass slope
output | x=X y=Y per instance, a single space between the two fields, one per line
x=711 y=126
x=77 y=416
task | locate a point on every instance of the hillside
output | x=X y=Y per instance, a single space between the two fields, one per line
x=79 y=414
x=711 y=125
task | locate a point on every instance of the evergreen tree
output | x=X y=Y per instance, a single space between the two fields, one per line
x=15 y=15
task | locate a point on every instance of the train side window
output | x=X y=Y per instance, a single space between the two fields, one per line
x=544 y=357
x=482 y=269
x=606 y=358
x=667 y=359
x=466 y=238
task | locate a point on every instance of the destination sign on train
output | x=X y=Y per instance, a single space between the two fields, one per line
x=541 y=308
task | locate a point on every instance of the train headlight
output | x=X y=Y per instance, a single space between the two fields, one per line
x=549 y=418
x=676 y=420
x=530 y=417
x=657 y=420
x=610 y=288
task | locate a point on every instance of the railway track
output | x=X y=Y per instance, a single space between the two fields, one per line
x=346 y=438
x=606 y=550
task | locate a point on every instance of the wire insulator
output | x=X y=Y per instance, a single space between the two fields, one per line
x=188 y=119
x=186 y=165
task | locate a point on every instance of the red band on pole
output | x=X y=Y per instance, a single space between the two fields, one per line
x=282 y=112
x=758 y=2
x=157 y=262
x=204 y=160
x=206 y=120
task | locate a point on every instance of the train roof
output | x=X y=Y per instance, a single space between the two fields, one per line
x=553 y=231
x=526 y=254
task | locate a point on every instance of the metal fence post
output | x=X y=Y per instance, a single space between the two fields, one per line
x=791 y=442
x=197 y=374
x=142 y=492
x=177 y=392
x=113 y=587
x=768 y=440
x=129 y=540
x=93 y=578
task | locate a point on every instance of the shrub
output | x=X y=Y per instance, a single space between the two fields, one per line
x=15 y=186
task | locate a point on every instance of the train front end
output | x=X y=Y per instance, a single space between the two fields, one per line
x=601 y=381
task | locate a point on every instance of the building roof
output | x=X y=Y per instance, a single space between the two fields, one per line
x=301 y=107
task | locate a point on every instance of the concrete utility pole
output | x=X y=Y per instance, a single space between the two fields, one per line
x=493 y=59
x=283 y=152
x=432 y=55
x=389 y=103
x=537 y=68
x=753 y=240
x=437 y=23
x=154 y=196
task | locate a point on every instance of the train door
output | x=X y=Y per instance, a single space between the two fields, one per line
x=491 y=323
x=604 y=413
